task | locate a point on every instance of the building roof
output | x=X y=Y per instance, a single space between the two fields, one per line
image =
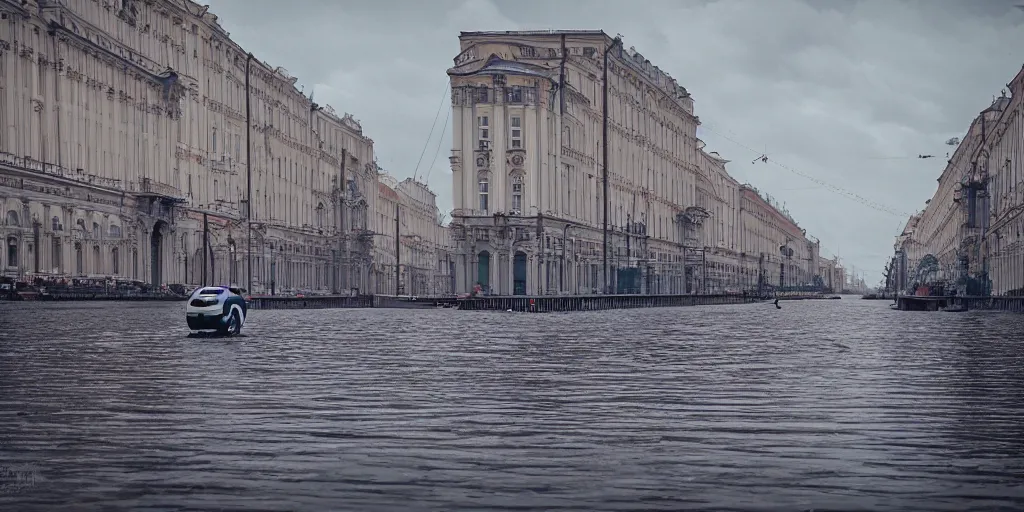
x=387 y=192
x=495 y=65
x=513 y=33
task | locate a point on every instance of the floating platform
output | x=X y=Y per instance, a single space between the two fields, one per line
x=347 y=301
x=959 y=303
x=922 y=303
x=555 y=303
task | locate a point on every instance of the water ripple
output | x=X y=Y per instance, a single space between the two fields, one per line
x=820 y=405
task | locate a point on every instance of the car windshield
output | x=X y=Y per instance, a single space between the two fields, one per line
x=211 y=291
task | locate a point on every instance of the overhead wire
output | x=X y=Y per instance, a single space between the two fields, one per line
x=838 y=190
x=440 y=140
x=426 y=143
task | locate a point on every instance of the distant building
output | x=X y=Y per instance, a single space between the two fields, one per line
x=425 y=265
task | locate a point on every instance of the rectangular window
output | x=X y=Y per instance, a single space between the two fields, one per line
x=483 y=195
x=515 y=94
x=483 y=126
x=517 y=197
x=516 y=132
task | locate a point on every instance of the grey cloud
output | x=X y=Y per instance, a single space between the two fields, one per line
x=835 y=89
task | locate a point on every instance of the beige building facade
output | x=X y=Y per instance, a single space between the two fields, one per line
x=1002 y=159
x=958 y=242
x=528 y=177
x=776 y=252
x=424 y=244
x=124 y=128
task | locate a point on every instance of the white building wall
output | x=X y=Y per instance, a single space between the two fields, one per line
x=672 y=208
x=1004 y=242
x=126 y=157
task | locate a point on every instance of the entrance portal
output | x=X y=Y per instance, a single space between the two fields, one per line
x=519 y=273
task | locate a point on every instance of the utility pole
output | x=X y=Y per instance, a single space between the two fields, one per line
x=248 y=177
x=206 y=243
x=342 y=232
x=398 y=252
x=704 y=271
x=604 y=158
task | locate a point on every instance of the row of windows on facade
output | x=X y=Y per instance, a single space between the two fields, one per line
x=13 y=259
x=113 y=231
x=516 y=94
x=515 y=131
x=517 y=194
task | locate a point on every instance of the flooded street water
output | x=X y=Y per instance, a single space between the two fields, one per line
x=841 y=404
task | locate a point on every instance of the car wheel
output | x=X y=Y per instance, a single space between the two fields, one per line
x=234 y=326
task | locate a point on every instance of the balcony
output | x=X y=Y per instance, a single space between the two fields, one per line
x=693 y=215
x=221 y=165
x=162 y=191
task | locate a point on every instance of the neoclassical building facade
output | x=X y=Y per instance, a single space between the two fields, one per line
x=527 y=110
x=423 y=243
x=960 y=241
x=126 y=128
x=1003 y=160
x=527 y=165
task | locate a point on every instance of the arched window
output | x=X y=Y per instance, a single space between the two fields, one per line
x=114 y=230
x=320 y=215
x=115 y=261
x=97 y=260
x=12 y=218
x=95 y=230
x=55 y=224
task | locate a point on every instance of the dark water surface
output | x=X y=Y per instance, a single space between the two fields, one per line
x=823 y=404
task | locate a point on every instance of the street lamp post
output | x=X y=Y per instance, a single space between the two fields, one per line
x=604 y=156
x=273 y=271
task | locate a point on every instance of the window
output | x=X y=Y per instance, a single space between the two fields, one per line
x=55 y=224
x=12 y=252
x=483 y=125
x=517 y=132
x=115 y=261
x=517 y=195
x=214 y=146
x=515 y=94
x=55 y=253
x=483 y=194
x=79 y=259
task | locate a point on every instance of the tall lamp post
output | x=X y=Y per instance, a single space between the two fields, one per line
x=604 y=156
x=273 y=271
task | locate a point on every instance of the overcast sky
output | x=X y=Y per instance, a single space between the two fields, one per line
x=845 y=92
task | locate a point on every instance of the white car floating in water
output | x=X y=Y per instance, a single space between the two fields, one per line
x=219 y=309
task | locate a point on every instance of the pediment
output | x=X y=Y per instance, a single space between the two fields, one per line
x=495 y=65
